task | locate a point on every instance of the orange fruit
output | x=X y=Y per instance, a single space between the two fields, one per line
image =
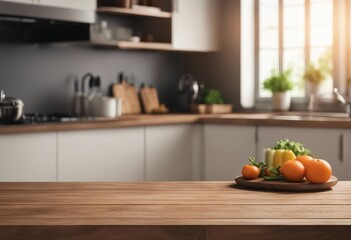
x=304 y=159
x=293 y=171
x=318 y=171
x=250 y=172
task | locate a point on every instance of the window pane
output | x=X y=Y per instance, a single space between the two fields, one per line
x=295 y=59
x=321 y=23
x=326 y=87
x=268 y=61
x=321 y=12
x=294 y=42
x=268 y=41
x=294 y=23
x=321 y=35
x=268 y=24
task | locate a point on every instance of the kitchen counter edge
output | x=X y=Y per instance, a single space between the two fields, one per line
x=244 y=119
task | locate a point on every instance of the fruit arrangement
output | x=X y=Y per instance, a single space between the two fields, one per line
x=290 y=161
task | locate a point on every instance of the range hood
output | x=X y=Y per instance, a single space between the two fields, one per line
x=37 y=23
x=37 y=11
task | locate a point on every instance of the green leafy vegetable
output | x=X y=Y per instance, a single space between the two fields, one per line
x=260 y=165
x=273 y=178
x=296 y=147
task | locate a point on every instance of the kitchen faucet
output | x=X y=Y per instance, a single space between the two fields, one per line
x=342 y=100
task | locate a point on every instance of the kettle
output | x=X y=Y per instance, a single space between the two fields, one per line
x=188 y=88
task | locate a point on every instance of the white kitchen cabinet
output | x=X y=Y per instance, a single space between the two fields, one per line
x=226 y=149
x=28 y=157
x=101 y=155
x=194 y=25
x=329 y=144
x=172 y=153
x=89 y=5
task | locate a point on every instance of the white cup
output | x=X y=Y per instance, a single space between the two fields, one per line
x=119 y=109
x=103 y=107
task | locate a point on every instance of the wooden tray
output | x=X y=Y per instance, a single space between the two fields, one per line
x=282 y=185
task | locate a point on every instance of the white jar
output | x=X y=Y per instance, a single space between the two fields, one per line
x=103 y=107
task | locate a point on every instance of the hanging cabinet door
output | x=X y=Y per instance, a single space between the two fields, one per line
x=194 y=25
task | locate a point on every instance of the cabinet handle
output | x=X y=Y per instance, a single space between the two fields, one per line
x=175 y=6
x=341 y=147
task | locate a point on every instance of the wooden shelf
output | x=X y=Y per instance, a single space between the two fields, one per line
x=136 y=46
x=152 y=46
x=133 y=12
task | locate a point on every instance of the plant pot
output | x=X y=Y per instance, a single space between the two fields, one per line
x=198 y=108
x=281 y=101
x=219 y=108
x=314 y=88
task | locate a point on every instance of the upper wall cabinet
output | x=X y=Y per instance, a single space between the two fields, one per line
x=194 y=25
x=168 y=25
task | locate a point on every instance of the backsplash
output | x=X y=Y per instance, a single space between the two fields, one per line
x=41 y=75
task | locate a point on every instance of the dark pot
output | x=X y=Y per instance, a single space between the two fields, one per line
x=11 y=109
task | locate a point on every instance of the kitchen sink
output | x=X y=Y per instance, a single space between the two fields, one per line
x=310 y=115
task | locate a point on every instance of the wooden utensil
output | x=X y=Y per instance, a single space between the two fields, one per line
x=283 y=185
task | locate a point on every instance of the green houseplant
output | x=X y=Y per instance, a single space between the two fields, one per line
x=211 y=102
x=280 y=84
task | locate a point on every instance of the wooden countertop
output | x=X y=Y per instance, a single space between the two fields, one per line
x=166 y=210
x=251 y=119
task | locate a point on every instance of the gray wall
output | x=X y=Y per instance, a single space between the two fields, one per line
x=41 y=75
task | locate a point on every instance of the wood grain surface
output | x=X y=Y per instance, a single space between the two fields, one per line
x=170 y=210
x=260 y=183
x=120 y=90
x=238 y=119
x=149 y=99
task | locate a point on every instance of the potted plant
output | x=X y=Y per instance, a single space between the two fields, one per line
x=211 y=102
x=280 y=85
x=315 y=74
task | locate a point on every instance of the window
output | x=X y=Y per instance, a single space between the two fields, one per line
x=290 y=34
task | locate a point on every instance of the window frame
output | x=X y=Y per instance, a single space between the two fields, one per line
x=341 y=68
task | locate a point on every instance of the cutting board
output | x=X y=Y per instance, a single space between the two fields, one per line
x=260 y=183
x=133 y=99
x=129 y=95
x=149 y=99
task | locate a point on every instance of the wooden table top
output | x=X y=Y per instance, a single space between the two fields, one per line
x=168 y=204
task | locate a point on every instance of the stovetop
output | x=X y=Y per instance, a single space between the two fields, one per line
x=35 y=118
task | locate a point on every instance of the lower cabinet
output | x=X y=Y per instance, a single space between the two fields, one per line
x=28 y=157
x=329 y=144
x=101 y=155
x=179 y=152
x=226 y=149
x=172 y=152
